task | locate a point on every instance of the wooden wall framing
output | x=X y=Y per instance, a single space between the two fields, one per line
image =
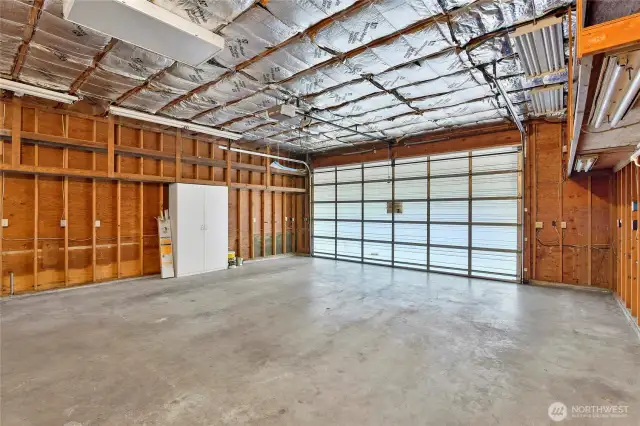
x=627 y=253
x=582 y=252
x=61 y=166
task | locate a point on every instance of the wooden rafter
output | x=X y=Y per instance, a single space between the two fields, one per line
x=309 y=31
x=34 y=16
x=144 y=85
x=87 y=72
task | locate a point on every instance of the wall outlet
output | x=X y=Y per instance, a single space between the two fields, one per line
x=5 y=223
x=97 y=224
x=538 y=225
x=63 y=223
x=563 y=225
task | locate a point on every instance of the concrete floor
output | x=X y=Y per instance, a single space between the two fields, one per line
x=302 y=341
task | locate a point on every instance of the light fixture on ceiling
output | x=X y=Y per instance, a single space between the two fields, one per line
x=282 y=112
x=584 y=163
x=147 y=25
x=540 y=46
x=20 y=89
x=548 y=99
x=137 y=115
x=628 y=100
x=611 y=72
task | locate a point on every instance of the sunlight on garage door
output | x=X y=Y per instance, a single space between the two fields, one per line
x=455 y=213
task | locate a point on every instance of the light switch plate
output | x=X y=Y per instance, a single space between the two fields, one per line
x=5 y=223
x=563 y=225
x=286 y=218
x=538 y=225
x=63 y=223
x=254 y=220
x=97 y=224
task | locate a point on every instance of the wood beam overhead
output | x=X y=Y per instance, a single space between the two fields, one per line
x=34 y=16
x=609 y=35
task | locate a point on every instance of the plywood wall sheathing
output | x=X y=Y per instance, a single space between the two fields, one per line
x=627 y=277
x=84 y=169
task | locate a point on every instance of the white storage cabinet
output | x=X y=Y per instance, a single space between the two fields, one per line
x=199 y=221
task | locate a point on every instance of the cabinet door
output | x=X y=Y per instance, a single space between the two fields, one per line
x=191 y=230
x=216 y=233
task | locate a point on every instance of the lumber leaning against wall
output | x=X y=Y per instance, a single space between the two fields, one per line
x=627 y=246
x=64 y=172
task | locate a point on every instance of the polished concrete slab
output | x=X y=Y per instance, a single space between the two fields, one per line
x=302 y=341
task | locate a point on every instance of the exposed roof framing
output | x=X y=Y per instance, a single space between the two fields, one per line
x=365 y=69
x=34 y=15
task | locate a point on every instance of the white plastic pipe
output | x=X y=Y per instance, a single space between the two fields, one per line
x=632 y=91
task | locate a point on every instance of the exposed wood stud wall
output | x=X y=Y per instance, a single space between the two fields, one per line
x=581 y=253
x=627 y=256
x=84 y=169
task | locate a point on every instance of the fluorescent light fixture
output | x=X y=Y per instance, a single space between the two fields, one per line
x=20 y=89
x=540 y=46
x=548 y=99
x=605 y=90
x=147 y=25
x=585 y=163
x=137 y=115
x=629 y=98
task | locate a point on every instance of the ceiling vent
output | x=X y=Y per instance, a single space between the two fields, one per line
x=146 y=25
x=540 y=46
x=548 y=100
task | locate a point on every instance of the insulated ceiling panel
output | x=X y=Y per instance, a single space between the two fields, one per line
x=389 y=68
x=442 y=64
x=301 y=14
x=251 y=34
x=446 y=84
x=432 y=38
x=291 y=59
x=209 y=14
x=373 y=21
x=342 y=94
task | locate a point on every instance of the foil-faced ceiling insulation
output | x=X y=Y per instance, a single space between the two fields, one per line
x=385 y=68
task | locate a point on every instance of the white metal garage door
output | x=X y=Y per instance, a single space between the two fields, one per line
x=457 y=213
